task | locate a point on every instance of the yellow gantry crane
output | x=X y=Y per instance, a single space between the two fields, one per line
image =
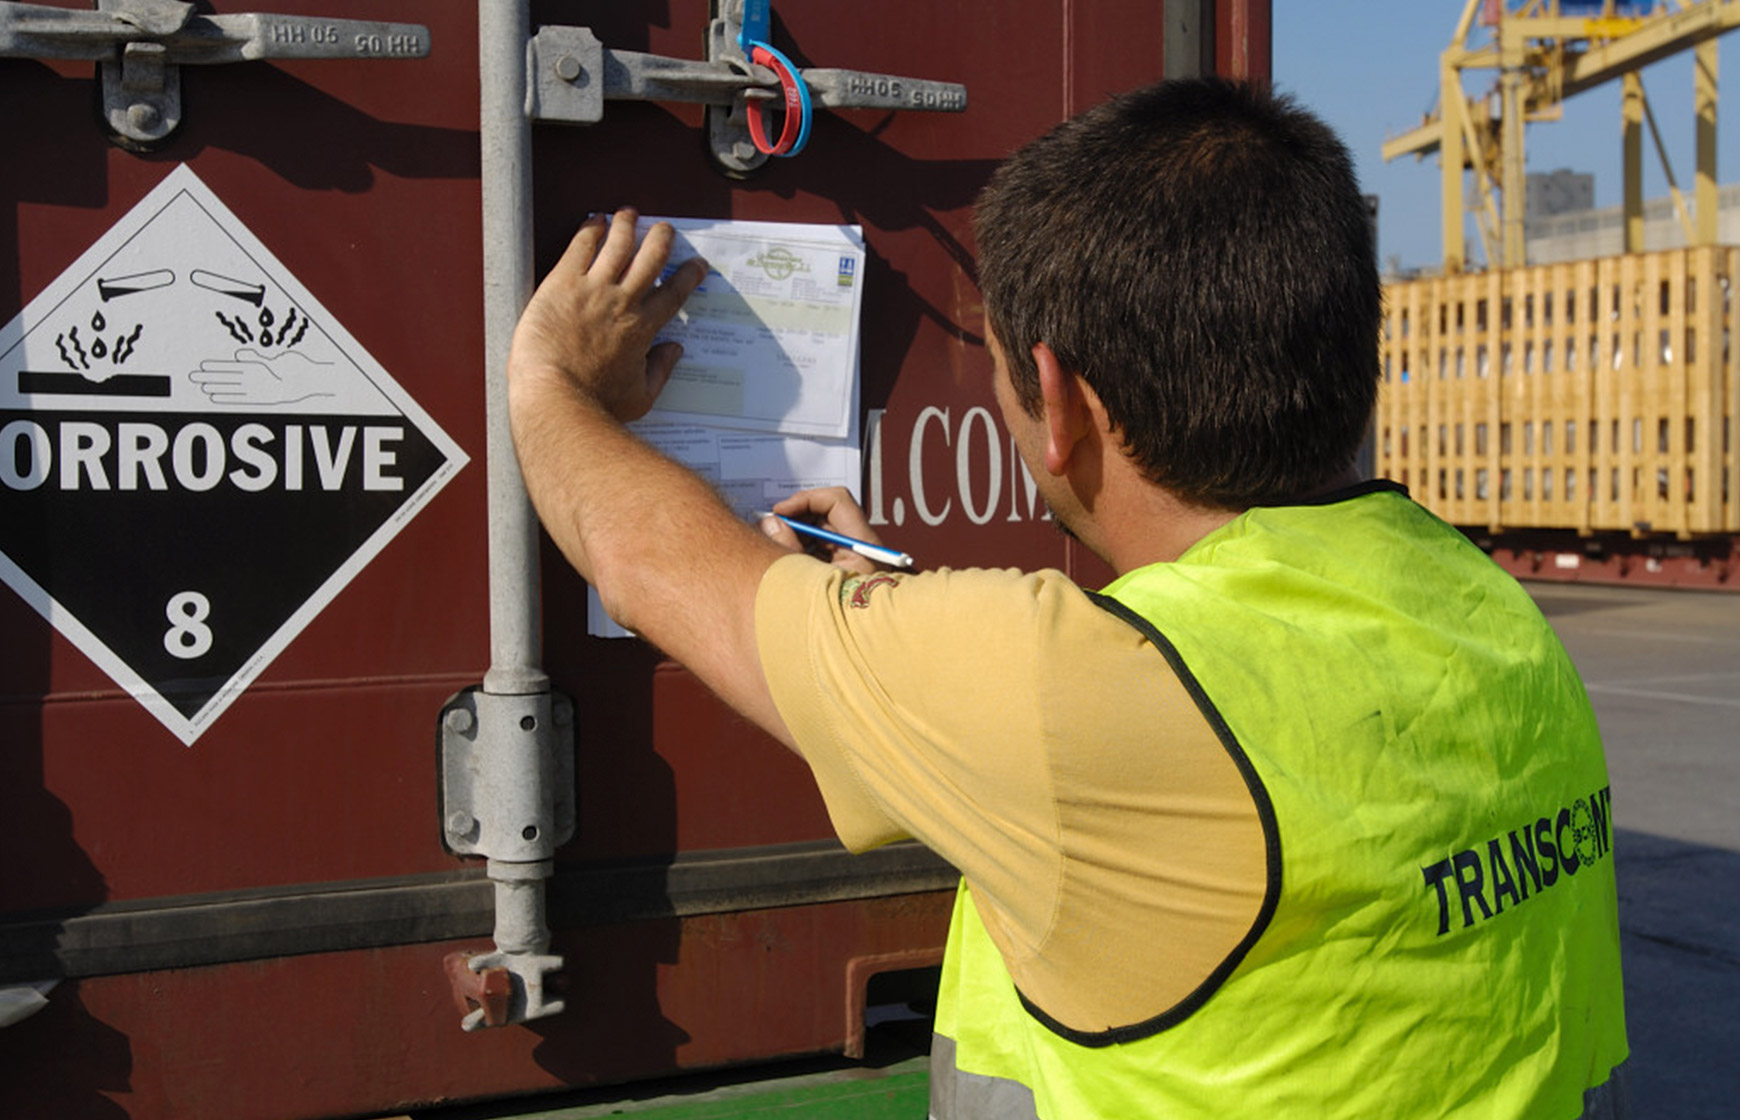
x=1546 y=51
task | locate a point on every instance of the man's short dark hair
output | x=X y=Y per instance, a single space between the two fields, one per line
x=1200 y=252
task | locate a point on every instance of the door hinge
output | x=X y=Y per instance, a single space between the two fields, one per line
x=140 y=45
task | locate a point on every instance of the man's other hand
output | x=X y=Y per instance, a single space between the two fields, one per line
x=831 y=507
x=591 y=323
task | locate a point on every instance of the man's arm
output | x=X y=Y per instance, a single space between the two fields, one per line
x=668 y=558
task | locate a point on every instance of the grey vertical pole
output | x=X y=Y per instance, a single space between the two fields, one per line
x=503 y=772
x=1189 y=38
x=504 y=29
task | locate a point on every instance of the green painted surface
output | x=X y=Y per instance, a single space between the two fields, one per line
x=899 y=1091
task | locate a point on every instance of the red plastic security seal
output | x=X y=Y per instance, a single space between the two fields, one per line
x=795 y=132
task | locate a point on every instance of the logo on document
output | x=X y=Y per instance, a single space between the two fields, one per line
x=778 y=262
x=848 y=271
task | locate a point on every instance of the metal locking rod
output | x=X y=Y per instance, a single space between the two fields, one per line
x=140 y=45
x=507 y=747
x=573 y=75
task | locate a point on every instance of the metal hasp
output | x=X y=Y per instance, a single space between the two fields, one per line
x=507 y=793
x=140 y=45
x=573 y=75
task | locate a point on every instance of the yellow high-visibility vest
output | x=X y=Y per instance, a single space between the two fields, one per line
x=1440 y=931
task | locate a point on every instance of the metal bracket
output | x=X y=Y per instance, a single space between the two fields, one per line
x=141 y=44
x=496 y=989
x=489 y=745
x=573 y=75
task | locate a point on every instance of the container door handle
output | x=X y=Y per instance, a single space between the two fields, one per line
x=572 y=75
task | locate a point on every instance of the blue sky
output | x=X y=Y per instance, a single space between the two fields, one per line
x=1371 y=70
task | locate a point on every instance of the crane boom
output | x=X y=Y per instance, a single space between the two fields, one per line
x=1542 y=58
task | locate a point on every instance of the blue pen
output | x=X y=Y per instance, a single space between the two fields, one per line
x=894 y=558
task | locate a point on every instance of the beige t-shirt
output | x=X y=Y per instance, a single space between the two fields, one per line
x=1041 y=745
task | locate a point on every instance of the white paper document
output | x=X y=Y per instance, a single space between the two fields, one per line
x=765 y=400
x=770 y=338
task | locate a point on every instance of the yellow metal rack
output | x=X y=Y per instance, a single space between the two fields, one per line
x=1595 y=395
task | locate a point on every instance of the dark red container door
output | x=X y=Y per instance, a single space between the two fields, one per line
x=247 y=564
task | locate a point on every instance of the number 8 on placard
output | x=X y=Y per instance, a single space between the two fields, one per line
x=188 y=636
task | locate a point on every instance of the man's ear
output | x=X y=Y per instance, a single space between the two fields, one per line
x=1066 y=402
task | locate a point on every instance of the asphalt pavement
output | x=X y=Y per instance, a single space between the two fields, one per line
x=1663 y=671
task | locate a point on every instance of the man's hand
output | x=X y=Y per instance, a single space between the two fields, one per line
x=589 y=327
x=833 y=508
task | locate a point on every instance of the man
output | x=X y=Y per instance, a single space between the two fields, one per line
x=1306 y=814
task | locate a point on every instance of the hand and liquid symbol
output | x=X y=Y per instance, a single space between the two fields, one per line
x=265 y=370
x=253 y=375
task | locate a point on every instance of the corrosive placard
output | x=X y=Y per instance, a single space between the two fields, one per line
x=195 y=457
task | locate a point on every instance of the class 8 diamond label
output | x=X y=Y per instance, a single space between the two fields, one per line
x=195 y=456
